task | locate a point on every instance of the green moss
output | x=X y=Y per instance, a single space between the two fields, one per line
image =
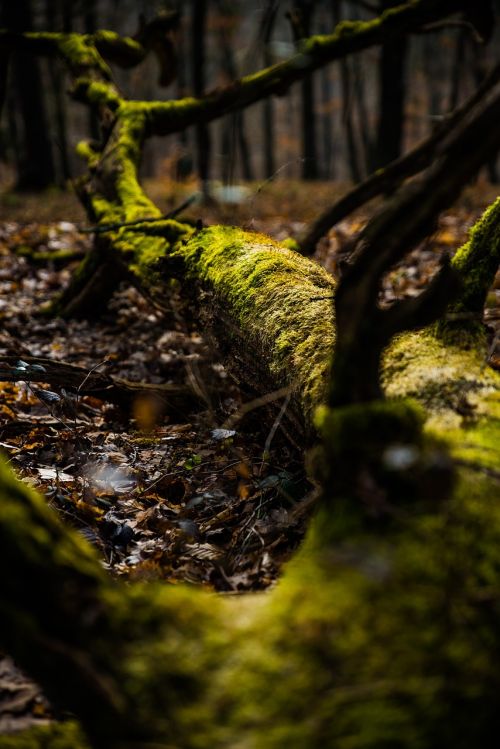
x=86 y=152
x=27 y=520
x=111 y=38
x=162 y=117
x=291 y=244
x=123 y=155
x=142 y=246
x=451 y=380
x=112 y=45
x=460 y=393
x=98 y=93
x=476 y=444
x=344 y=30
x=282 y=300
x=382 y=640
x=477 y=262
x=54 y=736
x=380 y=422
x=80 y=54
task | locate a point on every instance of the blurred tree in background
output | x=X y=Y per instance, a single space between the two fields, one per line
x=344 y=122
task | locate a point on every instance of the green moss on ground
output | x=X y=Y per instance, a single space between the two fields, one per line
x=380 y=641
x=383 y=630
x=452 y=381
x=53 y=736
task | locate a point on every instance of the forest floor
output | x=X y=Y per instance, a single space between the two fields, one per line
x=204 y=496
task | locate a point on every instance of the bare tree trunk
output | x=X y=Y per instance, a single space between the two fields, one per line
x=236 y=135
x=391 y=99
x=457 y=70
x=354 y=159
x=480 y=70
x=59 y=100
x=304 y=10
x=67 y=10
x=268 y=129
x=184 y=164
x=203 y=145
x=36 y=165
x=90 y=22
x=365 y=147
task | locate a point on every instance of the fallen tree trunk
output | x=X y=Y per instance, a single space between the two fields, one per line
x=385 y=627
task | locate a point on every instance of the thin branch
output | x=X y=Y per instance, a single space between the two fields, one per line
x=176 y=398
x=428 y=306
x=263 y=400
x=348 y=38
x=390 y=178
x=363 y=330
x=103 y=228
x=451 y=24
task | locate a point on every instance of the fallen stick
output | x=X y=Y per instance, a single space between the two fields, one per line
x=175 y=398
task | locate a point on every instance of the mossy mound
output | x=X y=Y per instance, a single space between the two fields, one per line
x=53 y=736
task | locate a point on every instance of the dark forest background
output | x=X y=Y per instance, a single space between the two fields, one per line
x=342 y=123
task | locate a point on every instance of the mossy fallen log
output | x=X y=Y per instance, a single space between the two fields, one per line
x=269 y=311
x=384 y=628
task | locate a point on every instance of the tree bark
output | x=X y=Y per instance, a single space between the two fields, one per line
x=59 y=102
x=203 y=145
x=268 y=130
x=384 y=630
x=388 y=566
x=36 y=162
x=392 y=89
x=303 y=13
x=234 y=136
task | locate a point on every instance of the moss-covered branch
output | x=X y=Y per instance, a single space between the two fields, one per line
x=384 y=629
x=348 y=38
x=476 y=263
x=79 y=52
x=114 y=194
x=252 y=289
x=84 y=53
x=364 y=328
